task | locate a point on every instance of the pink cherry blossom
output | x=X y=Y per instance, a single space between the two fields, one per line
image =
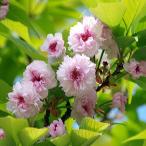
x=54 y=45
x=84 y=105
x=143 y=67
x=4 y=7
x=24 y=101
x=41 y=75
x=119 y=101
x=83 y=37
x=134 y=68
x=57 y=128
x=105 y=37
x=2 y=134
x=76 y=75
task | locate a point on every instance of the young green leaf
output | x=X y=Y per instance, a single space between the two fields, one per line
x=141 y=135
x=63 y=140
x=12 y=127
x=69 y=124
x=79 y=137
x=93 y=125
x=4 y=90
x=28 y=136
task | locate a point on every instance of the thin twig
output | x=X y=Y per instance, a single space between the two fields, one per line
x=106 y=82
x=100 y=59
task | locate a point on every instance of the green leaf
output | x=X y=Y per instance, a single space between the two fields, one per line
x=4 y=31
x=140 y=54
x=110 y=13
x=69 y=124
x=4 y=90
x=141 y=82
x=29 y=135
x=12 y=127
x=20 y=43
x=104 y=140
x=3 y=113
x=93 y=125
x=130 y=89
x=124 y=42
x=90 y=141
x=21 y=16
x=133 y=14
x=141 y=38
x=141 y=135
x=144 y=143
x=79 y=137
x=44 y=143
x=94 y=3
x=17 y=27
x=27 y=49
x=64 y=140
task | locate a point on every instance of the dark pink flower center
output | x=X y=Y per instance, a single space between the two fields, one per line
x=20 y=100
x=52 y=47
x=36 y=77
x=137 y=69
x=75 y=74
x=55 y=127
x=85 y=36
x=85 y=107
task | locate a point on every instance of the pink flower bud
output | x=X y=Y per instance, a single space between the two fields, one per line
x=4 y=7
x=143 y=67
x=119 y=101
x=57 y=128
x=2 y=134
x=84 y=105
x=54 y=45
x=134 y=68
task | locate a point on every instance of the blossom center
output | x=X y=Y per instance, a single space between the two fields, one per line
x=85 y=36
x=85 y=107
x=55 y=127
x=36 y=77
x=137 y=69
x=20 y=100
x=52 y=47
x=75 y=74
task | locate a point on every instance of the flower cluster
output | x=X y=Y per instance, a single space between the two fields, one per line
x=76 y=75
x=136 y=68
x=25 y=99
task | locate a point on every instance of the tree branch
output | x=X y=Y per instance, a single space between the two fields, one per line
x=106 y=82
x=46 y=117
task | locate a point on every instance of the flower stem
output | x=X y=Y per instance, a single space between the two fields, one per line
x=46 y=117
x=100 y=59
